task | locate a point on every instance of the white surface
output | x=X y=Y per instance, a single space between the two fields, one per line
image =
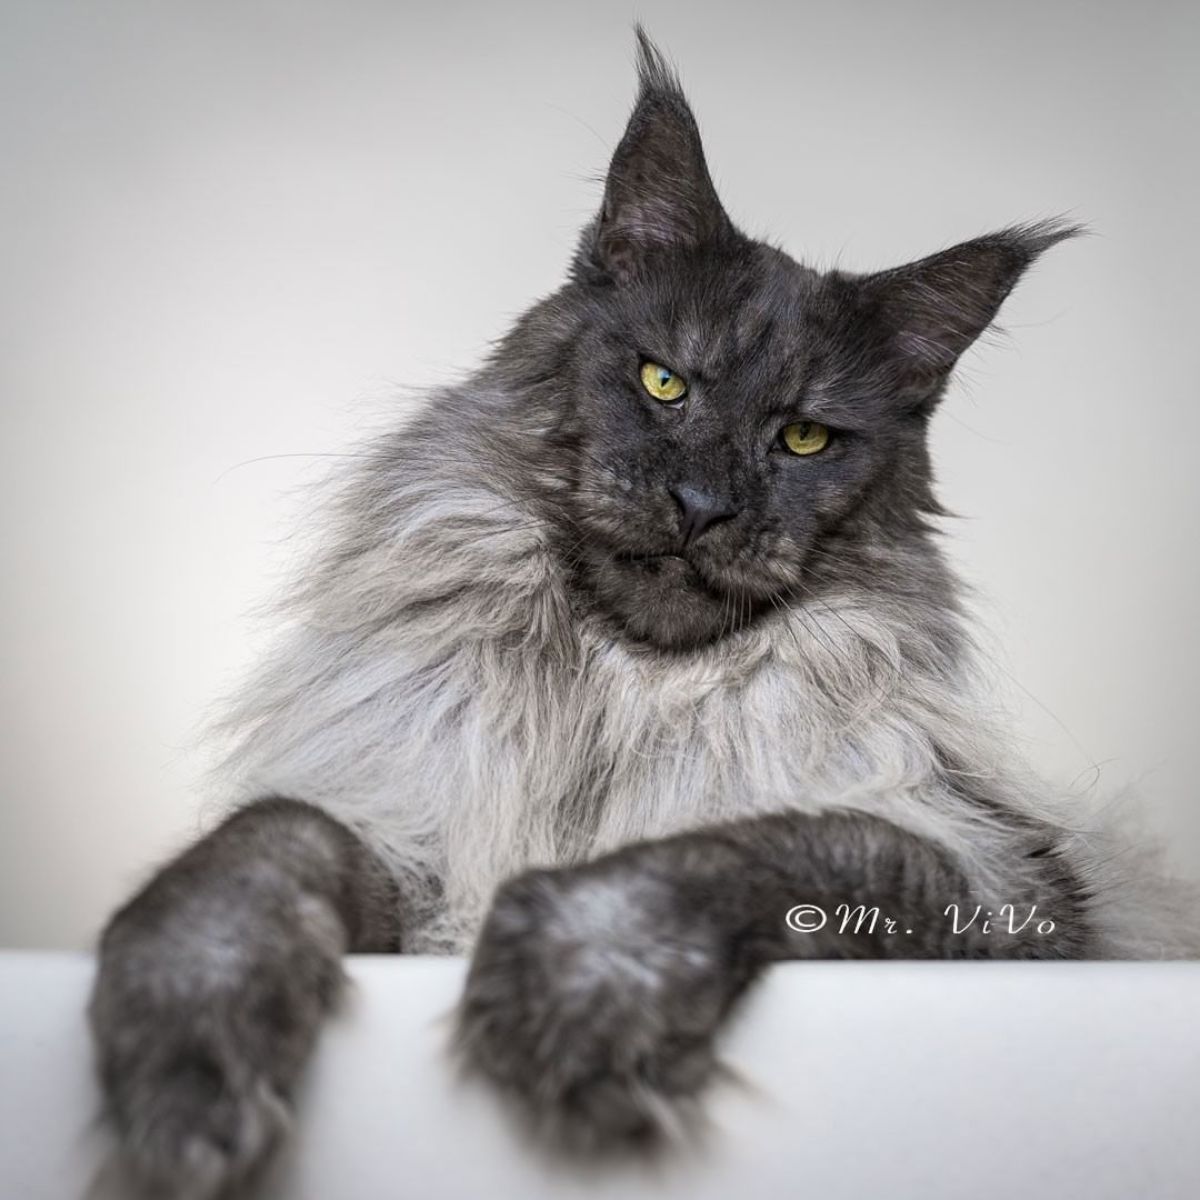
x=236 y=231
x=911 y=1081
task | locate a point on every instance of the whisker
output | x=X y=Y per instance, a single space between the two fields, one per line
x=262 y=458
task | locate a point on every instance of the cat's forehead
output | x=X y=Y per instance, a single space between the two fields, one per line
x=757 y=312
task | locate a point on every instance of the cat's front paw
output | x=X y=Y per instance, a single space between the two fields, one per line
x=592 y=1001
x=196 y=1066
x=193 y=1121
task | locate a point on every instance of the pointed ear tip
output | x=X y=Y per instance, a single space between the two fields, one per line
x=655 y=73
x=1039 y=236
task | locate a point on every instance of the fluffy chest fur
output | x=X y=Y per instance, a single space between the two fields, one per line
x=442 y=694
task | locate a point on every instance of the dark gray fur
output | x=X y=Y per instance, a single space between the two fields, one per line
x=515 y=662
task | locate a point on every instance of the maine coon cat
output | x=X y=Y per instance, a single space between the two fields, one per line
x=617 y=653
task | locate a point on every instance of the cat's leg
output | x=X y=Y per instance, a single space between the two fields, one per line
x=211 y=986
x=595 y=991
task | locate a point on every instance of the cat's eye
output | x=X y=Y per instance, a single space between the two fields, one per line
x=662 y=383
x=804 y=437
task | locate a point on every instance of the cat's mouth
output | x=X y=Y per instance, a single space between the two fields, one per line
x=664 y=556
x=666 y=596
x=668 y=567
x=666 y=599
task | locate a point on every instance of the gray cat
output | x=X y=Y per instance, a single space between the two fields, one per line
x=618 y=653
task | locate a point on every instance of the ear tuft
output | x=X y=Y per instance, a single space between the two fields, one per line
x=1036 y=237
x=658 y=195
x=933 y=309
x=655 y=73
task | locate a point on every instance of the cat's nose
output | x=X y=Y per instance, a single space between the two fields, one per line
x=700 y=510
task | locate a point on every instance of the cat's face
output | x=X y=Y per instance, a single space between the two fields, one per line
x=725 y=417
x=721 y=428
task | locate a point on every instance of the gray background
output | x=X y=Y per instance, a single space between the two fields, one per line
x=233 y=235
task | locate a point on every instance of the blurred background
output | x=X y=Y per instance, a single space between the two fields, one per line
x=236 y=237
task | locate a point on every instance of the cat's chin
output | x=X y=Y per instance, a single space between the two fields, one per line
x=665 y=601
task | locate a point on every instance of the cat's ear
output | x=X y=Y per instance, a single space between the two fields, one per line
x=930 y=311
x=658 y=194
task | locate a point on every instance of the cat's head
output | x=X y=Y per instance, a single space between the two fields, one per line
x=719 y=414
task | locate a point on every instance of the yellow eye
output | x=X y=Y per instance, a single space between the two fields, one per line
x=805 y=437
x=662 y=383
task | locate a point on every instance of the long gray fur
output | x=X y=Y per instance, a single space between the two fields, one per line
x=505 y=672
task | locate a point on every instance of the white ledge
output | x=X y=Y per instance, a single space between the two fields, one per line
x=935 y=1081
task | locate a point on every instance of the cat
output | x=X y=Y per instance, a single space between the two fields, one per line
x=617 y=656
